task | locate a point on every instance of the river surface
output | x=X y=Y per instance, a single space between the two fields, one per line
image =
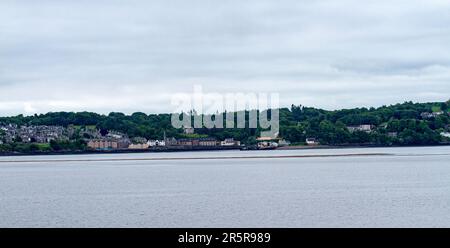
x=368 y=187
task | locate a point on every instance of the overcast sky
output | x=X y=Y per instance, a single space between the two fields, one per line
x=106 y=55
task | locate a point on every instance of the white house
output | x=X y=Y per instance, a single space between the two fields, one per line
x=445 y=134
x=312 y=141
x=156 y=143
x=363 y=128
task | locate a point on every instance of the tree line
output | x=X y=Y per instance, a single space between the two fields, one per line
x=399 y=124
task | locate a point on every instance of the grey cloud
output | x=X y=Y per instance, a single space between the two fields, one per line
x=132 y=55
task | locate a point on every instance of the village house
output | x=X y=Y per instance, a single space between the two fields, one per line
x=87 y=133
x=230 y=142
x=139 y=140
x=9 y=132
x=170 y=142
x=265 y=138
x=445 y=134
x=108 y=144
x=102 y=144
x=153 y=143
x=312 y=141
x=111 y=141
x=197 y=142
x=184 y=142
x=207 y=142
x=115 y=135
x=266 y=142
x=138 y=143
x=428 y=115
x=361 y=128
x=33 y=134
x=138 y=146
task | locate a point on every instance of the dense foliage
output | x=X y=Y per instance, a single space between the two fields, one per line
x=296 y=124
x=53 y=146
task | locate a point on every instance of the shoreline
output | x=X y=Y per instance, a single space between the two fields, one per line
x=202 y=149
x=197 y=158
x=301 y=147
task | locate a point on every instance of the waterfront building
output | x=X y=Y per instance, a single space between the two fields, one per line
x=153 y=143
x=139 y=146
x=207 y=142
x=230 y=142
x=267 y=145
x=197 y=142
x=108 y=144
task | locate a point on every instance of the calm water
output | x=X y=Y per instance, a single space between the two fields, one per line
x=408 y=188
